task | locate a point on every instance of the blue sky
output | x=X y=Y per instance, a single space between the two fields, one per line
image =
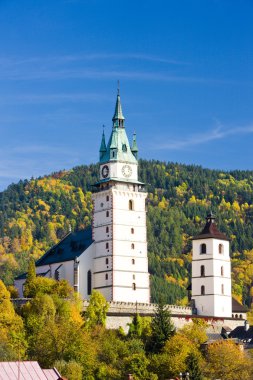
x=185 y=71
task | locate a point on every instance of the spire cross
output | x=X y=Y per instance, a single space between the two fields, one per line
x=118 y=87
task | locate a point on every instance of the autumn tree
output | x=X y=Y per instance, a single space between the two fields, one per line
x=225 y=360
x=95 y=314
x=12 y=337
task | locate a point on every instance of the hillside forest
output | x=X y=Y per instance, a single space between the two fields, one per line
x=36 y=214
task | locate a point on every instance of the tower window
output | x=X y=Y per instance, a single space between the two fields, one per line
x=202 y=271
x=107 y=198
x=203 y=248
x=133 y=276
x=202 y=290
x=133 y=261
x=132 y=246
x=131 y=205
x=107 y=230
x=89 y=278
x=107 y=214
x=106 y=261
x=132 y=230
x=220 y=248
x=106 y=276
x=107 y=246
x=134 y=286
x=222 y=271
x=222 y=288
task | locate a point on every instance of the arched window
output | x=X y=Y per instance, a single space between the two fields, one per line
x=203 y=248
x=240 y=316
x=107 y=245
x=131 y=204
x=236 y=316
x=107 y=230
x=132 y=230
x=134 y=286
x=202 y=271
x=133 y=261
x=106 y=261
x=107 y=214
x=106 y=276
x=132 y=246
x=202 y=290
x=107 y=198
x=222 y=288
x=233 y=316
x=222 y=271
x=89 y=282
x=220 y=248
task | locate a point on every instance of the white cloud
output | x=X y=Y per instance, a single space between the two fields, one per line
x=216 y=134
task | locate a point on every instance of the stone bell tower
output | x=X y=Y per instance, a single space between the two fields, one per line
x=211 y=272
x=119 y=219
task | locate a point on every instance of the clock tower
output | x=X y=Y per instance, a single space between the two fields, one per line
x=119 y=219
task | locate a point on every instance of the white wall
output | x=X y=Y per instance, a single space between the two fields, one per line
x=217 y=300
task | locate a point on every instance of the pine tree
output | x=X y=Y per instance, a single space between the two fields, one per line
x=192 y=362
x=30 y=279
x=162 y=328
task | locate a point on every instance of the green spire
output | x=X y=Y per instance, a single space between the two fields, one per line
x=134 y=148
x=118 y=118
x=118 y=147
x=102 y=149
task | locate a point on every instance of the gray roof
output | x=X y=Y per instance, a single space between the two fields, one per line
x=70 y=247
x=242 y=334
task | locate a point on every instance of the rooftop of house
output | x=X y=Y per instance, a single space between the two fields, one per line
x=243 y=334
x=29 y=370
x=237 y=307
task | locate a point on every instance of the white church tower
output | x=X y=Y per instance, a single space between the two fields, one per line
x=120 y=270
x=211 y=272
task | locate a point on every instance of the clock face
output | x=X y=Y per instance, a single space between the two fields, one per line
x=105 y=171
x=126 y=171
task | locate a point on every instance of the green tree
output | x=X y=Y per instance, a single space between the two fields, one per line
x=95 y=314
x=72 y=370
x=193 y=366
x=29 y=286
x=162 y=328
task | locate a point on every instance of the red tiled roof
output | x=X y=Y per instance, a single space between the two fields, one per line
x=26 y=371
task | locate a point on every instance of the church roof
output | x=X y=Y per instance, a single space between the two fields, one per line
x=210 y=230
x=70 y=247
x=118 y=142
x=118 y=114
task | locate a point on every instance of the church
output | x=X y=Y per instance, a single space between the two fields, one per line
x=111 y=255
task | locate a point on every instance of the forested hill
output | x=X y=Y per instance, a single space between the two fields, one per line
x=35 y=214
